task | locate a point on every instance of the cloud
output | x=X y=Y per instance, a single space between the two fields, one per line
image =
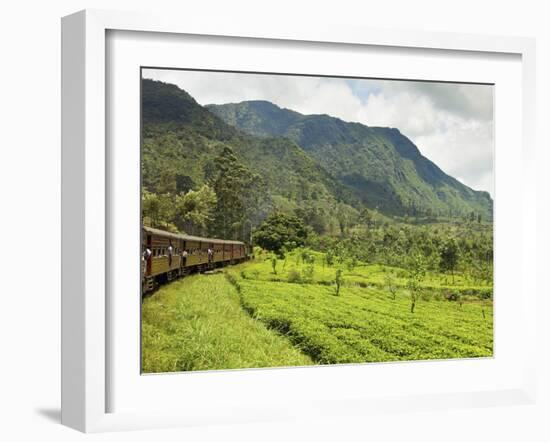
x=470 y=101
x=458 y=138
x=307 y=95
x=464 y=150
x=452 y=124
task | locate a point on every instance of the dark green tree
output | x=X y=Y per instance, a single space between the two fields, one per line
x=339 y=280
x=365 y=217
x=391 y=284
x=313 y=216
x=278 y=231
x=240 y=196
x=449 y=257
x=417 y=271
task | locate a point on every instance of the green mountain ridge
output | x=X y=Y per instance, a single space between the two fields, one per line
x=321 y=168
x=181 y=139
x=382 y=167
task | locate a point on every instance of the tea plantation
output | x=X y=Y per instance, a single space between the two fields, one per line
x=286 y=312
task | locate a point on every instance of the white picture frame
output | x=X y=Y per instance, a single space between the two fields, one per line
x=86 y=317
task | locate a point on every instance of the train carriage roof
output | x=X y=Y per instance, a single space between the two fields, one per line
x=188 y=237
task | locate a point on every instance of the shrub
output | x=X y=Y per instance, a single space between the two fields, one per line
x=306 y=256
x=486 y=294
x=425 y=296
x=352 y=263
x=329 y=257
x=451 y=296
x=294 y=276
x=307 y=272
x=339 y=280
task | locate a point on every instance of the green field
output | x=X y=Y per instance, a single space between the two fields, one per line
x=253 y=316
x=197 y=323
x=361 y=275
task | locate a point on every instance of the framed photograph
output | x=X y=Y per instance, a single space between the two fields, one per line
x=271 y=223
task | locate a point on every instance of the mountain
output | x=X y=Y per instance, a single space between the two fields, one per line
x=381 y=166
x=181 y=139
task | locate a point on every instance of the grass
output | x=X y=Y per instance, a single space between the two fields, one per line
x=253 y=316
x=197 y=323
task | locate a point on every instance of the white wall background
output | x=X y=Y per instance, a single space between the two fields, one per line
x=30 y=209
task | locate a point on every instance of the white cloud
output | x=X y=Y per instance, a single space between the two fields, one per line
x=450 y=123
x=460 y=145
x=307 y=95
x=463 y=149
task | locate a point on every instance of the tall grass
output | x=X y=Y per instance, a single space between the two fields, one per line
x=197 y=323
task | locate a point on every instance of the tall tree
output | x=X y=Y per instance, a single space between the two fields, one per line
x=365 y=217
x=449 y=257
x=417 y=271
x=157 y=210
x=240 y=196
x=194 y=210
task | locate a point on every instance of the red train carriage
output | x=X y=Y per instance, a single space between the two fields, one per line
x=167 y=255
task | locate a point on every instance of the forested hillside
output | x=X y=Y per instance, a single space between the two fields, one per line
x=221 y=170
x=380 y=165
x=202 y=176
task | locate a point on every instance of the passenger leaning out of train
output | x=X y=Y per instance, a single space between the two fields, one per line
x=210 y=254
x=184 y=258
x=170 y=253
x=146 y=254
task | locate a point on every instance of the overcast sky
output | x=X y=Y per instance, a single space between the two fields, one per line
x=452 y=124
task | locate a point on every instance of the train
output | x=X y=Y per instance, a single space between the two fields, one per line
x=167 y=256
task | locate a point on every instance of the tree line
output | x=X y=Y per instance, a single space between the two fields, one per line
x=230 y=203
x=448 y=248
